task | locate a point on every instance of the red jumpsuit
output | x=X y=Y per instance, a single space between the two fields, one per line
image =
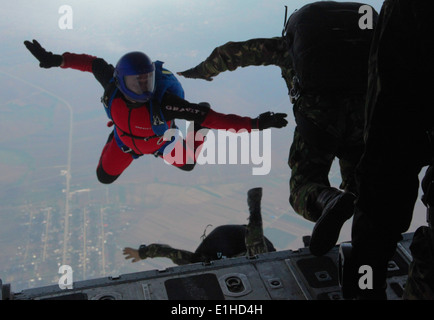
x=133 y=120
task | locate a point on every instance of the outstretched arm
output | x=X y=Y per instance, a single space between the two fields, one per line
x=179 y=257
x=102 y=71
x=173 y=107
x=254 y=52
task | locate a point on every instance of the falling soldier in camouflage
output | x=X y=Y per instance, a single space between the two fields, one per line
x=328 y=106
x=223 y=242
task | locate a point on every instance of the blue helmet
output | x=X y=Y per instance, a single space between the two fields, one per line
x=135 y=76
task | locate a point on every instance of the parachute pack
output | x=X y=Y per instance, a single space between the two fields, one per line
x=330 y=51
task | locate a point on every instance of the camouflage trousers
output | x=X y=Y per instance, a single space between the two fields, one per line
x=328 y=127
x=255 y=242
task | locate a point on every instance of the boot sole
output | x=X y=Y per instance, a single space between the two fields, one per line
x=326 y=231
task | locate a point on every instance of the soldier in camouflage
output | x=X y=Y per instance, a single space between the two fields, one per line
x=329 y=125
x=223 y=242
x=398 y=144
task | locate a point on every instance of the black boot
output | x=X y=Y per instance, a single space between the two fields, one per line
x=337 y=207
x=254 y=197
x=255 y=243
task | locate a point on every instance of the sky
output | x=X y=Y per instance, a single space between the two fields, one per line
x=181 y=33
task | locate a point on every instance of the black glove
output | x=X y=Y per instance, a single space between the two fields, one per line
x=270 y=120
x=46 y=59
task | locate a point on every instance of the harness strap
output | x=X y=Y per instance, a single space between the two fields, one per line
x=107 y=102
x=125 y=148
x=135 y=155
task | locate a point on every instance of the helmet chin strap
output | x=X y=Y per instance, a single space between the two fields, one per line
x=133 y=103
x=130 y=100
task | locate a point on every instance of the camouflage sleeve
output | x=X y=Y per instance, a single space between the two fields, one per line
x=179 y=257
x=254 y=52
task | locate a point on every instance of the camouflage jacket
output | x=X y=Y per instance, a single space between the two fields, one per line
x=154 y=250
x=178 y=256
x=254 y=52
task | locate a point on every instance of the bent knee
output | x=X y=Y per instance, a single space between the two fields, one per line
x=187 y=167
x=104 y=177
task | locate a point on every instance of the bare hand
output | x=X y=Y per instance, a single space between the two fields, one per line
x=131 y=253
